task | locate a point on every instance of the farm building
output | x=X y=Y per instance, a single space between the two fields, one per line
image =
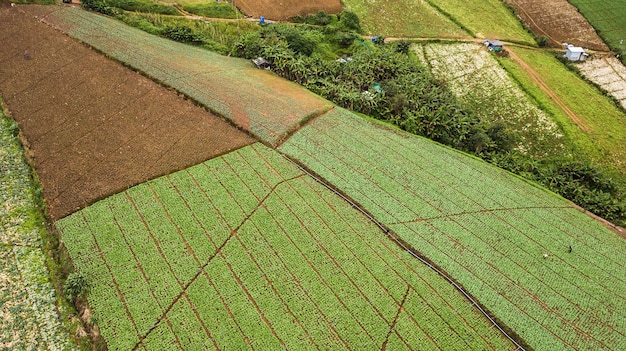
x=575 y=53
x=494 y=45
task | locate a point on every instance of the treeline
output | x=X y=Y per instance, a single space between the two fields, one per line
x=326 y=54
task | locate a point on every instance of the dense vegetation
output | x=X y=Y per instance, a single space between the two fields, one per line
x=387 y=82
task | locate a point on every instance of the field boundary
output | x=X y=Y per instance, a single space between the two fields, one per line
x=515 y=339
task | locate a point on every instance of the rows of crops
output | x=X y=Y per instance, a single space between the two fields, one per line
x=28 y=318
x=609 y=73
x=506 y=241
x=607 y=137
x=608 y=17
x=255 y=100
x=246 y=251
x=478 y=80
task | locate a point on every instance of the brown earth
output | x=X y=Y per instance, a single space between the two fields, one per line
x=558 y=20
x=284 y=9
x=93 y=126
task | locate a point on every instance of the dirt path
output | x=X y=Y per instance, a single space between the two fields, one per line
x=554 y=96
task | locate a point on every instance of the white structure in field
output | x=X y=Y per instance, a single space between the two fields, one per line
x=575 y=53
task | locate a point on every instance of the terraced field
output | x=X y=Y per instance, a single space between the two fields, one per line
x=28 y=316
x=478 y=80
x=506 y=241
x=255 y=100
x=246 y=251
x=403 y=18
x=609 y=73
x=554 y=19
x=607 y=17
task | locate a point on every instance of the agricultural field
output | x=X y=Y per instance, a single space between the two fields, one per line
x=28 y=304
x=607 y=17
x=485 y=19
x=246 y=251
x=609 y=73
x=601 y=130
x=477 y=79
x=286 y=9
x=255 y=100
x=403 y=18
x=95 y=127
x=506 y=241
x=559 y=21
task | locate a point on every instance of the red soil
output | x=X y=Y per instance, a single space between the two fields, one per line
x=93 y=126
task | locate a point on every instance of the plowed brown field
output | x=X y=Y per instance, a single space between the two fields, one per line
x=284 y=9
x=559 y=21
x=93 y=126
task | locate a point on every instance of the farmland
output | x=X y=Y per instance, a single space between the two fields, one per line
x=477 y=79
x=607 y=17
x=554 y=19
x=485 y=19
x=286 y=9
x=489 y=232
x=95 y=127
x=604 y=122
x=28 y=315
x=609 y=73
x=403 y=18
x=247 y=251
x=255 y=100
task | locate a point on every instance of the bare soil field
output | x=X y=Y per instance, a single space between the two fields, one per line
x=93 y=126
x=559 y=21
x=284 y=9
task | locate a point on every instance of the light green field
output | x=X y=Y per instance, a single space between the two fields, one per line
x=505 y=240
x=485 y=19
x=248 y=252
x=255 y=100
x=605 y=142
x=28 y=304
x=403 y=18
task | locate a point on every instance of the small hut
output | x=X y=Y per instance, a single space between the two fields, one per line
x=575 y=53
x=494 y=45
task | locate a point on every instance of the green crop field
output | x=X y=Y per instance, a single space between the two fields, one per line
x=607 y=17
x=404 y=18
x=255 y=100
x=607 y=123
x=505 y=240
x=485 y=19
x=247 y=251
x=28 y=304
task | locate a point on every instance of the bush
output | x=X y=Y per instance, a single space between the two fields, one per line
x=350 y=21
x=542 y=41
x=75 y=285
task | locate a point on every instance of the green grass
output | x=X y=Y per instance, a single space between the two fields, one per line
x=28 y=317
x=485 y=227
x=605 y=142
x=607 y=17
x=255 y=100
x=246 y=250
x=485 y=19
x=213 y=10
x=404 y=18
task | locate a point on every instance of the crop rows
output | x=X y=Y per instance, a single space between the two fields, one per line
x=28 y=315
x=609 y=73
x=608 y=17
x=247 y=252
x=486 y=228
x=477 y=79
x=257 y=101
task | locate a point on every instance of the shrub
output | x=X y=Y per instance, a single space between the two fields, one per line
x=75 y=285
x=350 y=21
